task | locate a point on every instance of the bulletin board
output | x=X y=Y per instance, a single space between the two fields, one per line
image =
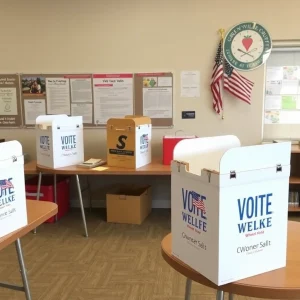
x=52 y=94
x=10 y=109
x=154 y=97
x=282 y=94
x=95 y=97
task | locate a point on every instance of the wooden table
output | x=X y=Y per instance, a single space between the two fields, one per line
x=155 y=168
x=37 y=213
x=283 y=283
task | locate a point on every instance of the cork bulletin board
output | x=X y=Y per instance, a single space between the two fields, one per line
x=53 y=94
x=95 y=97
x=154 y=97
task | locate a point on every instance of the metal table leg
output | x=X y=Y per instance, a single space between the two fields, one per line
x=55 y=193
x=22 y=269
x=231 y=296
x=81 y=205
x=220 y=295
x=188 y=287
x=25 y=287
x=38 y=192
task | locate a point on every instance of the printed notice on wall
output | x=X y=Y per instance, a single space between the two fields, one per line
x=157 y=96
x=282 y=117
x=113 y=96
x=58 y=96
x=272 y=102
x=83 y=109
x=274 y=73
x=190 y=84
x=81 y=89
x=157 y=102
x=8 y=101
x=10 y=109
x=32 y=109
x=273 y=87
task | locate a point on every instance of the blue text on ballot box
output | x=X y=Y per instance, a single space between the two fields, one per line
x=229 y=207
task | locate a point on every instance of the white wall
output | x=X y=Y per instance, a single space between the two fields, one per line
x=157 y=35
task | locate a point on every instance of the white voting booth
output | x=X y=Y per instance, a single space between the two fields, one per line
x=230 y=207
x=13 y=210
x=59 y=141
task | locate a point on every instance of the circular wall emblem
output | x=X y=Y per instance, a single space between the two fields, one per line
x=247 y=46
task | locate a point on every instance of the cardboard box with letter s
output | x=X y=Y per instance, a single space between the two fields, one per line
x=59 y=141
x=13 y=210
x=230 y=207
x=129 y=142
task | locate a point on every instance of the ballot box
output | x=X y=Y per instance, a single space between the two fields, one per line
x=129 y=142
x=59 y=141
x=13 y=210
x=229 y=207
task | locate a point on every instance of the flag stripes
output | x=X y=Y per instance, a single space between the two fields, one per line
x=236 y=84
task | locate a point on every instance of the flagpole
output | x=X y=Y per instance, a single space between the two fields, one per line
x=221 y=31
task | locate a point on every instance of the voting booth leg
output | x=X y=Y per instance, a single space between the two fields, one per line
x=22 y=269
x=38 y=192
x=55 y=193
x=81 y=205
x=220 y=295
x=188 y=287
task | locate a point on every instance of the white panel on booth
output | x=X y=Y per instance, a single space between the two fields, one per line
x=204 y=152
x=13 y=210
x=229 y=220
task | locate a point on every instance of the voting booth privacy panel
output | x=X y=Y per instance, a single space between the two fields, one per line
x=230 y=207
x=129 y=141
x=59 y=141
x=13 y=210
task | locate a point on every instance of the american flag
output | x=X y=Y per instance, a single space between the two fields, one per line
x=236 y=84
x=216 y=80
x=197 y=202
x=5 y=184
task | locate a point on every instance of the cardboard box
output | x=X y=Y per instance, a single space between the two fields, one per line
x=169 y=143
x=59 y=141
x=13 y=210
x=129 y=142
x=230 y=207
x=128 y=203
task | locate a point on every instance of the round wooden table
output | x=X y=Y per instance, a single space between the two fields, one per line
x=283 y=283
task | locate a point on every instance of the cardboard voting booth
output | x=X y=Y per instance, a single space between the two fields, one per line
x=230 y=207
x=59 y=141
x=13 y=210
x=129 y=142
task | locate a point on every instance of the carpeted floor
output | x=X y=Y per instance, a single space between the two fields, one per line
x=117 y=262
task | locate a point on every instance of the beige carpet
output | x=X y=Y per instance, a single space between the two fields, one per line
x=117 y=262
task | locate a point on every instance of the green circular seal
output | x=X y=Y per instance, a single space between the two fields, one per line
x=247 y=46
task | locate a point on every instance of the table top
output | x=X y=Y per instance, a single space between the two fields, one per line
x=154 y=168
x=283 y=283
x=37 y=213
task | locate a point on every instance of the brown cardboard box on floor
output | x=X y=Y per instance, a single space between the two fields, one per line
x=129 y=142
x=129 y=204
